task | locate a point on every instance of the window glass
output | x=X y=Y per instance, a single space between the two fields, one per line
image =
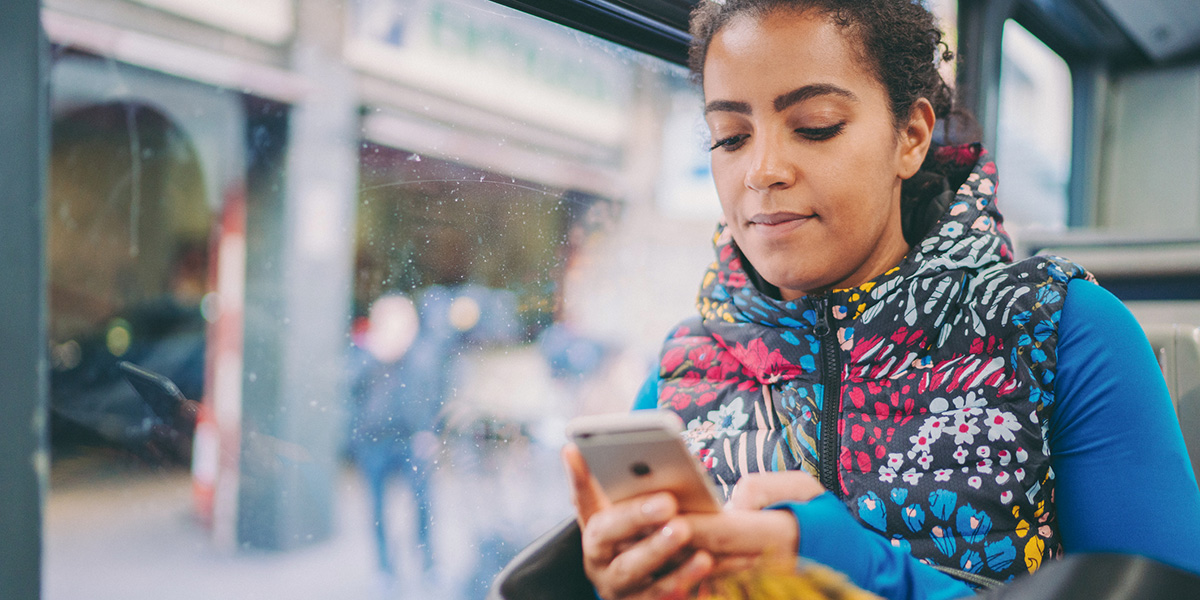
x=384 y=249
x=1033 y=147
x=946 y=12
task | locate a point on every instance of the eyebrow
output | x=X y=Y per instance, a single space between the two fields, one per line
x=782 y=101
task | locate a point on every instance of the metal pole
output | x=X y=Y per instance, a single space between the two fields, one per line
x=24 y=461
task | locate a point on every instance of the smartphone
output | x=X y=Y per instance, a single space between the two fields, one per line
x=641 y=452
x=159 y=392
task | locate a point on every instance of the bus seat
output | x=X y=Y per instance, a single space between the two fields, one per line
x=1178 y=349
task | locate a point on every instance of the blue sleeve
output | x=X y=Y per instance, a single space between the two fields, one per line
x=830 y=535
x=647 y=396
x=1123 y=482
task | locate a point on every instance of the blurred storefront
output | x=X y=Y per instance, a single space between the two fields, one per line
x=234 y=182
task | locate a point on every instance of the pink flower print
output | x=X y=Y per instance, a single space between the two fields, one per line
x=986 y=187
x=970 y=404
x=895 y=460
x=920 y=445
x=911 y=476
x=886 y=474
x=960 y=455
x=964 y=429
x=1005 y=457
x=1006 y=497
x=974 y=481
x=702 y=356
x=1001 y=425
x=984 y=466
x=983 y=223
x=932 y=428
x=673 y=358
x=768 y=366
x=983 y=451
x=1020 y=473
x=1002 y=478
x=942 y=474
x=925 y=461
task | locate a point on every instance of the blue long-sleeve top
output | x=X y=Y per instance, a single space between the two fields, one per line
x=1123 y=481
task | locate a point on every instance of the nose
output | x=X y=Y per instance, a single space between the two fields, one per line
x=769 y=168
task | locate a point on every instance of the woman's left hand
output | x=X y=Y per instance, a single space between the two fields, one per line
x=743 y=532
x=737 y=537
x=755 y=491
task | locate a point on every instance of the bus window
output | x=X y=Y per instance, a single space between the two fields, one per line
x=1033 y=147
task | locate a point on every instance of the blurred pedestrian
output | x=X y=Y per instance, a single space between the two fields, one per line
x=394 y=417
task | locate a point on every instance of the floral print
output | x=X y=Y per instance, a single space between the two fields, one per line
x=946 y=372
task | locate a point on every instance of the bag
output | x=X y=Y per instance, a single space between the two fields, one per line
x=550 y=568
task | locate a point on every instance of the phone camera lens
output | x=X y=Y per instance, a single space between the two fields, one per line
x=640 y=469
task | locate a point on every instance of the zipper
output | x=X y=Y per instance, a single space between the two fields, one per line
x=831 y=382
x=974 y=579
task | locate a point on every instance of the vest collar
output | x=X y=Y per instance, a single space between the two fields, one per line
x=968 y=235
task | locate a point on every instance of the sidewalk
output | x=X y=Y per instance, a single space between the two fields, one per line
x=116 y=529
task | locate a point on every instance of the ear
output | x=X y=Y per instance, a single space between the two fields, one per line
x=915 y=138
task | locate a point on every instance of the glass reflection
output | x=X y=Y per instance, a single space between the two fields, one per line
x=537 y=202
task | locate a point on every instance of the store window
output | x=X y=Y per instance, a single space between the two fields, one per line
x=1033 y=147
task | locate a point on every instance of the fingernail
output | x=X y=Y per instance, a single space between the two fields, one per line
x=657 y=508
x=667 y=532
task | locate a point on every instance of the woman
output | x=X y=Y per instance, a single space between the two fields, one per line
x=866 y=356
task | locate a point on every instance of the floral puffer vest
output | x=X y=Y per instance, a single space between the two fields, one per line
x=920 y=398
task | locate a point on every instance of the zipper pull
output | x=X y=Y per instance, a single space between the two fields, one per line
x=822 y=306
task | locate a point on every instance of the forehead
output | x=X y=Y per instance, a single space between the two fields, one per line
x=781 y=50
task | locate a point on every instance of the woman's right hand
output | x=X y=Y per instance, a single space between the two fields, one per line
x=636 y=549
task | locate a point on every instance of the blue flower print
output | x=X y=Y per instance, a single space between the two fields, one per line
x=942 y=503
x=972 y=524
x=899 y=495
x=872 y=511
x=901 y=543
x=913 y=516
x=970 y=562
x=943 y=538
x=1000 y=555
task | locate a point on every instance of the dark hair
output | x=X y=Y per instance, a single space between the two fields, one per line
x=901 y=45
x=899 y=40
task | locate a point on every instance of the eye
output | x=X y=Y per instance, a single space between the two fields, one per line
x=730 y=143
x=818 y=134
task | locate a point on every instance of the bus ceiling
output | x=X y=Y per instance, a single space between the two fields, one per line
x=1121 y=32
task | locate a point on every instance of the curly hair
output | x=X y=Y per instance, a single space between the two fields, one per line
x=899 y=42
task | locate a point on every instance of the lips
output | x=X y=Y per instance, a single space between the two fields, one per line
x=779 y=220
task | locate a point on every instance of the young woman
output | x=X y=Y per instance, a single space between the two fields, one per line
x=867 y=357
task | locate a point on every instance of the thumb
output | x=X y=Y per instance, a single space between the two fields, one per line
x=585 y=490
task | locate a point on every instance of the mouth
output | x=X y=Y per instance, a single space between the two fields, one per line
x=779 y=220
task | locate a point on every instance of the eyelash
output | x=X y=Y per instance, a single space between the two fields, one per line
x=816 y=134
x=819 y=134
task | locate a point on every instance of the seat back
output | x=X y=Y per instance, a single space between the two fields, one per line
x=1177 y=347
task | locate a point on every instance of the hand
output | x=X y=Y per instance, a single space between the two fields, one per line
x=637 y=548
x=744 y=533
x=756 y=491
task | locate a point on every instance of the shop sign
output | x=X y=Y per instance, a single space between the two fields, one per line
x=268 y=21
x=494 y=58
